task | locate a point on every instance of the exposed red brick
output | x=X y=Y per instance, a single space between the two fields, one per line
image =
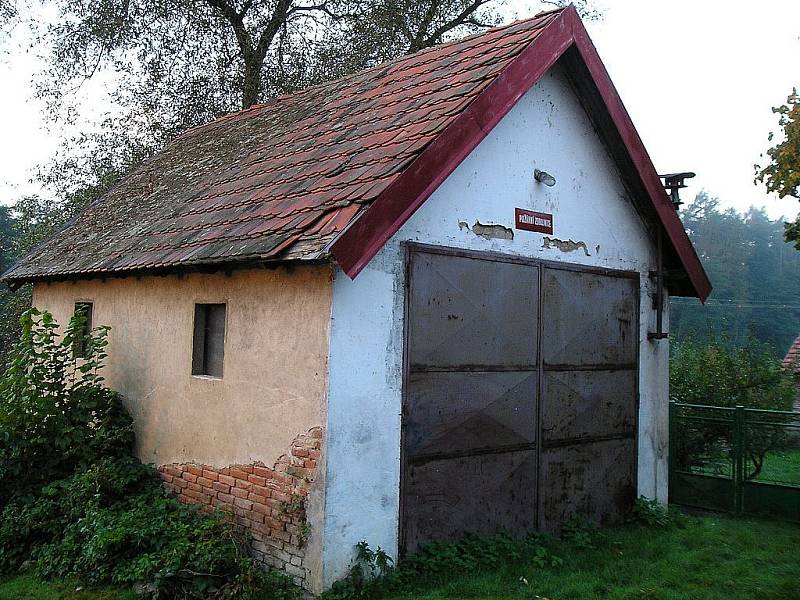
x=244 y=485
x=227 y=480
x=262 y=481
x=197 y=496
x=263 y=471
x=240 y=502
x=174 y=471
x=239 y=473
x=221 y=487
x=225 y=498
x=239 y=493
x=262 y=491
x=267 y=502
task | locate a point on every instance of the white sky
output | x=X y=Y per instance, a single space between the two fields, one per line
x=698 y=77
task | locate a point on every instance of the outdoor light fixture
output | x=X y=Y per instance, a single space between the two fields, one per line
x=544 y=177
x=674 y=182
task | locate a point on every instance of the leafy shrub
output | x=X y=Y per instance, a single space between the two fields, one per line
x=649 y=512
x=579 y=531
x=718 y=373
x=373 y=575
x=74 y=502
x=55 y=416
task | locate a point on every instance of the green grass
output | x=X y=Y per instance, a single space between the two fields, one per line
x=782 y=467
x=779 y=467
x=698 y=558
x=27 y=587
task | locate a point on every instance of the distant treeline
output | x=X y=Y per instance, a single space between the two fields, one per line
x=755 y=274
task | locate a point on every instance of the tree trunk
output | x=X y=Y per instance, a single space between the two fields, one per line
x=251 y=86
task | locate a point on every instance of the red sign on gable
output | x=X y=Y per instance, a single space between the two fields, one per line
x=530 y=220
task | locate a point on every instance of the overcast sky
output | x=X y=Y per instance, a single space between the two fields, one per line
x=699 y=78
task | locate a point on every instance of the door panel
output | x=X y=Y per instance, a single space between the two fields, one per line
x=469 y=412
x=582 y=404
x=594 y=481
x=590 y=319
x=589 y=397
x=470 y=416
x=484 y=493
x=471 y=314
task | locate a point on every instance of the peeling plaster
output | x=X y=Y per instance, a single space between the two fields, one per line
x=489 y=231
x=565 y=245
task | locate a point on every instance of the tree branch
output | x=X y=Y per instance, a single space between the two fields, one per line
x=236 y=21
x=463 y=18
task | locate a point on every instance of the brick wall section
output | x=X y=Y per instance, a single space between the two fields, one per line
x=266 y=502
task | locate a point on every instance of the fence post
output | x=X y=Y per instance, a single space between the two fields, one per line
x=738 y=459
x=672 y=440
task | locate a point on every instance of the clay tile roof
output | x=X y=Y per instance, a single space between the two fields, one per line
x=792 y=358
x=336 y=169
x=279 y=180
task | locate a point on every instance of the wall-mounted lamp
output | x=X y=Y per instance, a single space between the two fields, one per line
x=674 y=182
x=544 y=177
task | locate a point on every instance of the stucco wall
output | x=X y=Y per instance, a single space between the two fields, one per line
x=548 y=130
x=276 y=346
x=272 y=392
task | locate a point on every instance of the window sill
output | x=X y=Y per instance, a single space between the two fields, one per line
x=207 y=377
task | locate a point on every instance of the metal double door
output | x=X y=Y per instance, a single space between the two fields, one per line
x=520 y=394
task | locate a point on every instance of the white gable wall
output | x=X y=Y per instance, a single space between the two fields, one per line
x=549 y=130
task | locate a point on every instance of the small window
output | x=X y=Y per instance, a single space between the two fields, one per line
x=80 y=345
x=209 y=339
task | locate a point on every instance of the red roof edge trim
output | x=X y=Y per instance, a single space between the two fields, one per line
x=641 y=159
x=359 y=243
x=364 y=238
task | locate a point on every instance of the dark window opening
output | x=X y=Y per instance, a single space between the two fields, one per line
x=209 y=339
x=80 y=346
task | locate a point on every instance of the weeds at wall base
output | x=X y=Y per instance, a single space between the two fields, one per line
x=373 y=574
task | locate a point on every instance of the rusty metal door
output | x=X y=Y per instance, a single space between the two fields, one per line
x=588 y=406
x=469 y=422
x=520 y=395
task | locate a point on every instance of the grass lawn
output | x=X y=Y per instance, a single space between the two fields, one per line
x=700 y=558
x=697 y=558
x=28 y=587
x=783 y=467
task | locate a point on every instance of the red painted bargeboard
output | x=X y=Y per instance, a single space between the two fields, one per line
x=356 y=246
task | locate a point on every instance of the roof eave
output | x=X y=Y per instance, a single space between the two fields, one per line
x=223 y=266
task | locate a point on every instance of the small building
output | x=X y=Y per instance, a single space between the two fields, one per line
x=419 y=300
x=792 y=362
x=792 y=359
